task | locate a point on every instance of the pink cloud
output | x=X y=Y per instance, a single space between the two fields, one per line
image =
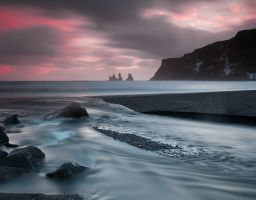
x=5 y=69
x=208 y=16
x=23 y=17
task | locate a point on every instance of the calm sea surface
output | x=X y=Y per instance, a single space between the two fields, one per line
x=216 y=161
x=90 y=88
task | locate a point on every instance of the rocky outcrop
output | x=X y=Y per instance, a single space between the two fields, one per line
x=26 y=158
x=129 y=78
x=232 y=59
x=67 y=170
x=73 y=110
x=12 y=120
x=4 y=139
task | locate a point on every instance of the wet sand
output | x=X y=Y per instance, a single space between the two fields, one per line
x=237 y=106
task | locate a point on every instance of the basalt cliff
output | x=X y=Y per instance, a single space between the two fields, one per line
x=233 y=59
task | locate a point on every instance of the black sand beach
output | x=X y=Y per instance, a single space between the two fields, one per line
x=235 y=106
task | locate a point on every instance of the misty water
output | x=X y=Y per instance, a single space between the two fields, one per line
x=215 y=161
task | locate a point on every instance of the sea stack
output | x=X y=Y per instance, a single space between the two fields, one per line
x=129 y=78
x=120 y=78
x=114 y=78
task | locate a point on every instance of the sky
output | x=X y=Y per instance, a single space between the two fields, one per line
x=92 y=39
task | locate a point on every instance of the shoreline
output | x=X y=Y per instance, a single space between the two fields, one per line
x=230 y=106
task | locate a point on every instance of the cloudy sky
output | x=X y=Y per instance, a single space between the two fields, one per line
x=91 y=39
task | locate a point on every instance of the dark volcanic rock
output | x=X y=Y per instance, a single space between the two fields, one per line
x=12 y=120
x=67 y=170
x=26 y=158
x=135 y=140
x=232 y=59
x=4 y=139
x=74 y=110
x=2 y=128
x=3 y=154
x=7 y=173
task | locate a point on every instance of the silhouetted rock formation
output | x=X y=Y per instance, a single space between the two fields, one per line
x=113 y=78
x=232 y=59
x=120 y=78
x=129 y=78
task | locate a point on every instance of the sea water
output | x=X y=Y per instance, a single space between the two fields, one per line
x=215 y=161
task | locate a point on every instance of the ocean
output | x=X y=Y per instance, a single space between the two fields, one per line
x=214 y=161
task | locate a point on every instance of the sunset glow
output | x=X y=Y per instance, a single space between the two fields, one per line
x=52 y=41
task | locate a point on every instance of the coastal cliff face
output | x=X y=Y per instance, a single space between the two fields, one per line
x=233 y=59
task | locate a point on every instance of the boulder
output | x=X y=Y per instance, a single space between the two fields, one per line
x=73 y=110
x=26 y=158
x=12 y=120
x=3 y=155
x=2 y=128
x=4 y=139
x=7 y=173
x=67 y=170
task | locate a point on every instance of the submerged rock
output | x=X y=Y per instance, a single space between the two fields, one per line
x=26 y=158
x=12 y=120
x=3 y=155
x=7 y=173
x=67 y=170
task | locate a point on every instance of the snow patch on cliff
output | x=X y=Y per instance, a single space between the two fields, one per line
x=228 y=66
x=251 y=76
x=198 y=65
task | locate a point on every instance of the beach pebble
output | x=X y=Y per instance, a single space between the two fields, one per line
x=26 y=158
x=67 y=170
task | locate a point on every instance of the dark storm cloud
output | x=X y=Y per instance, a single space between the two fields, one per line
x=27 y=45
x=123 y=25
x=106 y=35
